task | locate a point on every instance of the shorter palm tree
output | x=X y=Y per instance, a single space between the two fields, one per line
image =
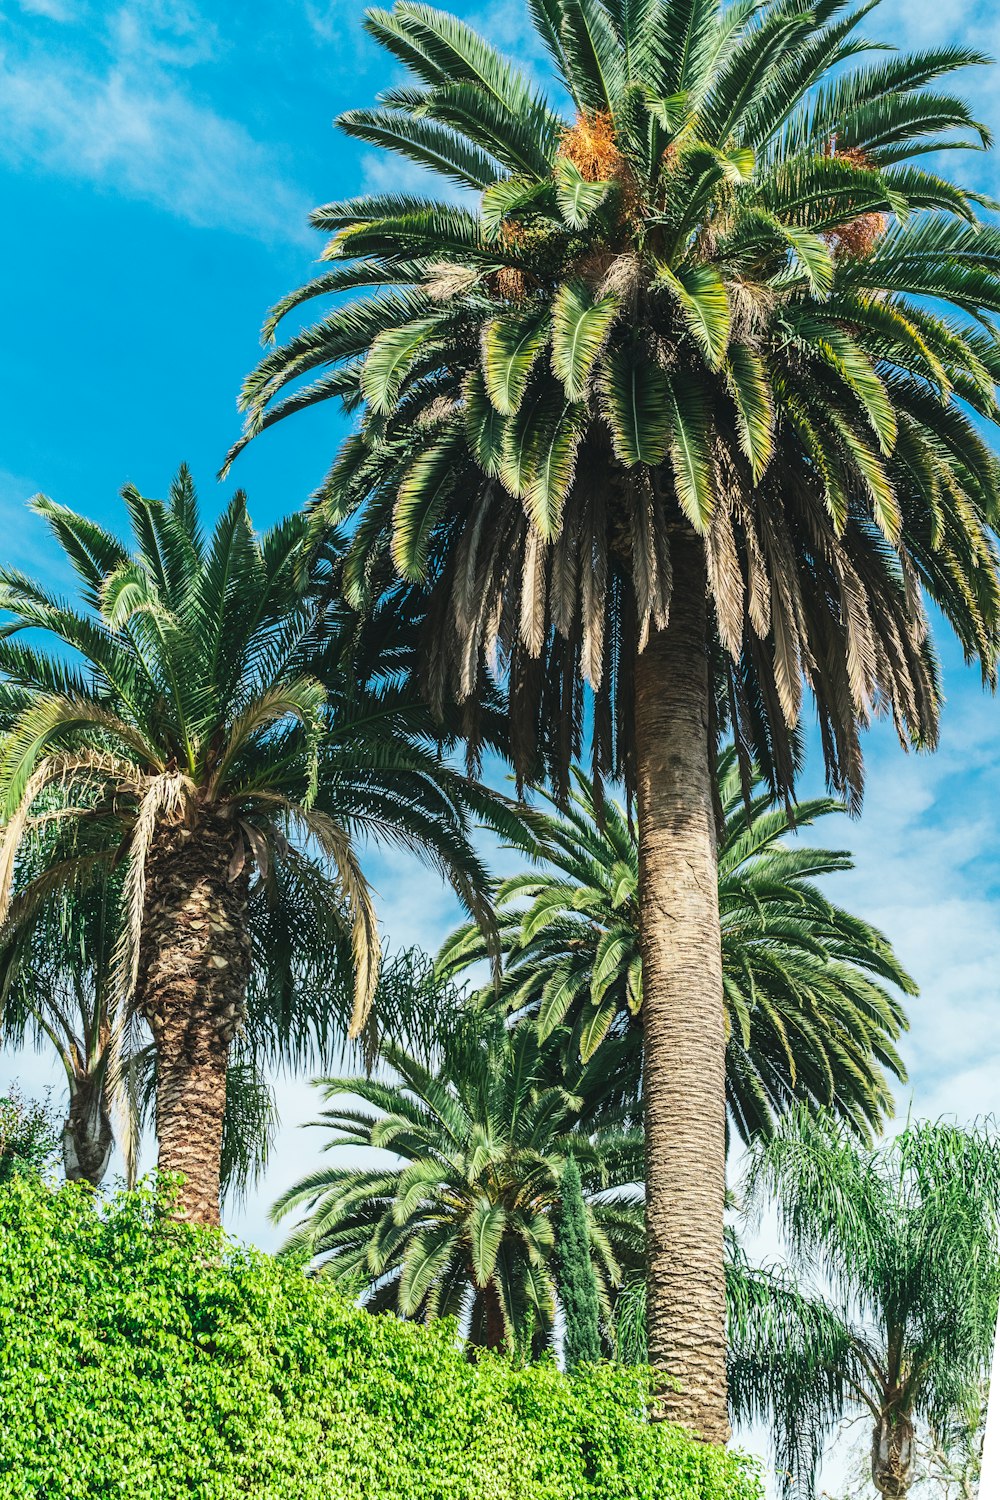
x=197 y=714
x=809 y=1016
x=461 y=1223
x=56 y=960
x=57 y=965
x=902 y=1239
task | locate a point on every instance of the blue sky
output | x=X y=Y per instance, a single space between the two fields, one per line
x=157 y=162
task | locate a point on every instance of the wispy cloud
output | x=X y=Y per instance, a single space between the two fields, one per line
x=115 y=108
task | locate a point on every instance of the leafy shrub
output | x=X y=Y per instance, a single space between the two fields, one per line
x=28 y=1135
x=146 y=1359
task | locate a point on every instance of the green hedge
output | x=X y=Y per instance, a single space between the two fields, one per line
x=140 y=1360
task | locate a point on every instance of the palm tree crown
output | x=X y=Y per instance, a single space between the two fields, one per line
x=462 y=1224
x=809 y=1017
x=706 y=303
x=212 y=738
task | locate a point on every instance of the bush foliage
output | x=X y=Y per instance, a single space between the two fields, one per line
x=143 y=1358
x=29 y=1135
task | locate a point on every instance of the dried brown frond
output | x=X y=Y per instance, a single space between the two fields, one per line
x=446 y=280
x=439 y=409
x=750 y=306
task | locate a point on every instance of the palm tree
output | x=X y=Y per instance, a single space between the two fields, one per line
x=205 y=746
x=675 y=414
x=807 y=1015
x=461 y=1222
x=56 y=970
x=904 y=1236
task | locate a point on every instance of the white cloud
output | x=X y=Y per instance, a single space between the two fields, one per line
x=52 y=10
x=127 y=123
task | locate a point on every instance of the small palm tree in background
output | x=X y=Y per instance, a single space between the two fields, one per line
x=808 y=1015
x=673 y=412
x=55 y=990
x=193 y=733
x=905 y=1237
x=462 y=1222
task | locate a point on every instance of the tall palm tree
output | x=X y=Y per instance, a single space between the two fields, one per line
x=808 y=1016
x=462 y=1222
x=204 y=745
x=674 y=411
x=904 y=1236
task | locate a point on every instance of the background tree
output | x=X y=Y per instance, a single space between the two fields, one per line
x=28 y=1135
x=678 y=414
x=808 y=1014
x=575 y=1279
x=462 y=1223
x=905 y=1237
x=197 y=734
x=56 y=961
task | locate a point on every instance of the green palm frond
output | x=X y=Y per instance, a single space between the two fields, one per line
x=481 y=1134
x=810 y=989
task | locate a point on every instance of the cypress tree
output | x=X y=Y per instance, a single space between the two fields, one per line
x=575 y=1273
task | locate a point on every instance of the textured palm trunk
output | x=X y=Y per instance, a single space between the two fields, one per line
x=494 y=1327
x=684 y=1045
x=892 y=1456
x=87 y=1138
x=193 y=973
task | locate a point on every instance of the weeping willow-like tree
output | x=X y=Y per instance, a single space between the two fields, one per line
x=212 y=744
x=809 y=1016
x=673 y=410
x=888 y=1309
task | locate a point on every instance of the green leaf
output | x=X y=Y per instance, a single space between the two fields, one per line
x=511 y=346
x=690 y=453
x=579 y=328
x=505 y=198
x=596 y=73
x=487 y=1222
x=388 y=359
x=814 y=255
x=845 y=355
x=701 y=293
x=483 y=424
x=748 y=386
x=558 y=994
x=636 y=400
x=551 y=453
x=615 y=945
x=577 y=198
x=539 y=453
x=596 y=1025
x=669 y=113
x=422 y=495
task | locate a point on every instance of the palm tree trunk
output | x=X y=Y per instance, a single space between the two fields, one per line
x=193 y=973
x=495 y=1328
x=892 y=1456
x=684 y=1045
x=87 y=1138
